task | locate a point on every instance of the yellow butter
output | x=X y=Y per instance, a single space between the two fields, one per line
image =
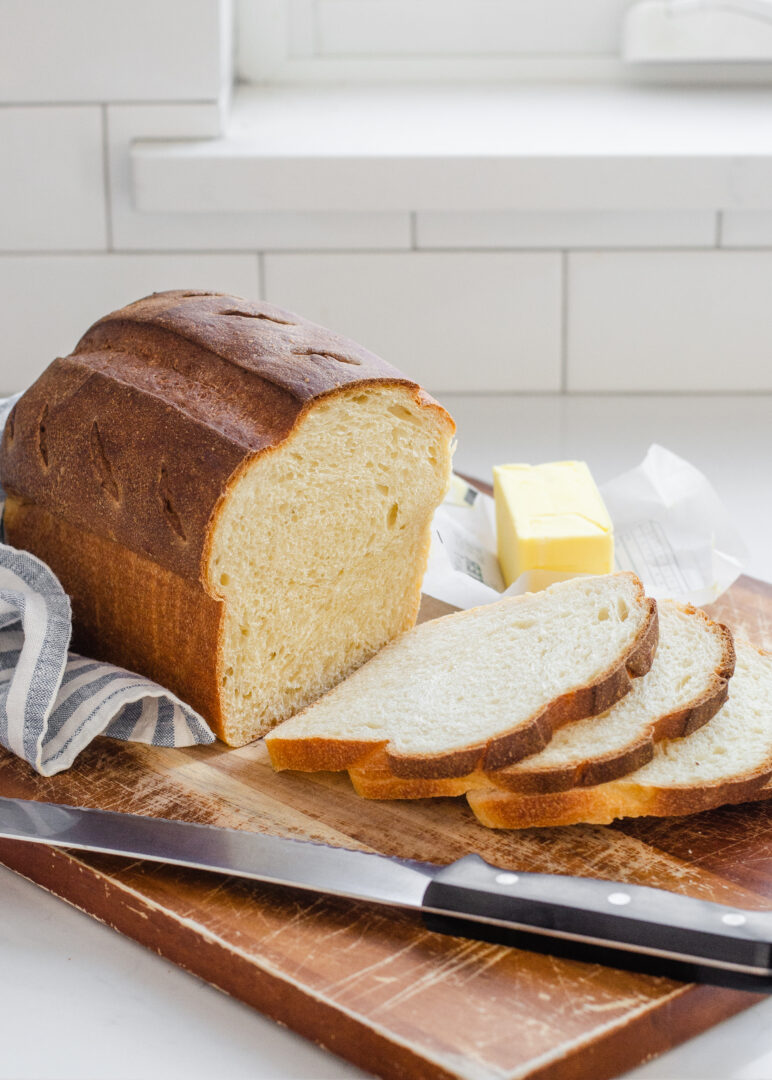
x=551 y=517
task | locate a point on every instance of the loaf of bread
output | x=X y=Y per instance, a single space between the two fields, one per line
x=685 y=687
x=728 y=760
x=480 y=688
x=237 y=501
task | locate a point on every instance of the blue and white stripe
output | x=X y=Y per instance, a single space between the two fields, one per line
x=54 y=702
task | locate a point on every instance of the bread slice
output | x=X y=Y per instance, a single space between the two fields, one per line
x=484 y=687
x=686 y=686
x=729 y=760
x=237 y=501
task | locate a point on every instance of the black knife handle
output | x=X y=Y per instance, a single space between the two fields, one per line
x=630 y=926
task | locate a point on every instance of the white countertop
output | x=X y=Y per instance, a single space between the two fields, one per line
x=79 y=1002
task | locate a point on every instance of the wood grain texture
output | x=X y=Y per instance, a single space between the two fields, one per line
x=373 y=985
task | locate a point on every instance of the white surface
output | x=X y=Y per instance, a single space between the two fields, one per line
x=53 y=178
x=566 y=229
x=455 y=147
x=137 y=229
x=460 y=322
x=662 y=30
x=347 y=41
x=73 y=291
x=468 y=27
x=109 y=50
x=669 y=321
x=114 y=1011
x=746 y=228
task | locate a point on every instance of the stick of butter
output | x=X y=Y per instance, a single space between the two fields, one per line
x=551 y=517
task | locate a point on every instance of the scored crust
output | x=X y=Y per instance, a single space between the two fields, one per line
x=445 y=773
x=120 y=461
x=139 y=433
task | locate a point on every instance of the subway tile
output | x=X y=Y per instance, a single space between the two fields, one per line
x=89 y=50
x=137 y=230
x=52 y=190
x=746 y=228
x=50 y=301
x=669 y=321
x=475 y=322
x=566 y=229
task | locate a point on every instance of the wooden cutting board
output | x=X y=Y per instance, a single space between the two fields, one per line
x=370 y=984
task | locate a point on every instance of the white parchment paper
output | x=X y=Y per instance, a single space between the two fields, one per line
x=670 y=528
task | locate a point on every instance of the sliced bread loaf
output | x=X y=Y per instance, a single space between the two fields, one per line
x=237 y=501
x=685 y=687
x=729 y=760
x=480 y=688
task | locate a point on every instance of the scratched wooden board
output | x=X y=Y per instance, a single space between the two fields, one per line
x=373 y=985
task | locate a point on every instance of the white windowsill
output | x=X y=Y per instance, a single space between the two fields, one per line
x=516 y=146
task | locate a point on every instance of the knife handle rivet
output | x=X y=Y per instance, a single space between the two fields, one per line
x=619 y=898
x=507 y=879
x=733 y=919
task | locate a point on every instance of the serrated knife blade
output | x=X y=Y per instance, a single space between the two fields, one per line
x=630 y=926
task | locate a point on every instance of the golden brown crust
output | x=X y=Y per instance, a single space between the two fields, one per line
x=535 y=780
x=128 y=610
x=453 y=772
x=620 y=798
x=118 y=459
x=136 y=435
x=372 y=782
x=604 y=804
x=319 y=755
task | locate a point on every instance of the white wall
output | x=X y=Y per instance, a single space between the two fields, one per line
x=492 y=302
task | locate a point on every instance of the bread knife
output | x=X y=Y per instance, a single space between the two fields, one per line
x=629 y=926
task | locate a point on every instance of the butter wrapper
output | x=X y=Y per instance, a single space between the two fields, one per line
x=670 y=528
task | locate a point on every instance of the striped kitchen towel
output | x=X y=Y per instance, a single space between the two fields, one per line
x=54 y=702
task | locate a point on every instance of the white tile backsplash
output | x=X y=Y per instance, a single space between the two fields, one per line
x=52 y=189
x=455 y=322
x=567 y=229
x=491 y=301
x=50 y=301
x=669 y=321
x=137 y=230
x=108 y=50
